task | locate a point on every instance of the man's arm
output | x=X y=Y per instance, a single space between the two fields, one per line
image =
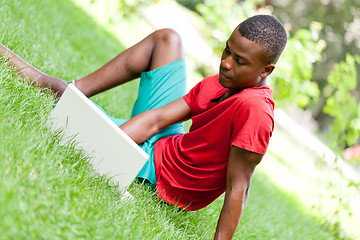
x=147 y=124
x=239 y=172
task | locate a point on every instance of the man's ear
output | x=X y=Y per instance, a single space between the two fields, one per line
x=267 y=70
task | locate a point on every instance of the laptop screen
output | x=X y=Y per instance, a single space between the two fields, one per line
x=111 y=151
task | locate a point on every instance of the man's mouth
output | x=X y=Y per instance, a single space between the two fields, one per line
x=224 y=75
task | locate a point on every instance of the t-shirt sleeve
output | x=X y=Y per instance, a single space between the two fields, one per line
x=253 y=125
x=190 y=97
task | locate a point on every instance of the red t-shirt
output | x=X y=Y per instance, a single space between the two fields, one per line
x=191 y=167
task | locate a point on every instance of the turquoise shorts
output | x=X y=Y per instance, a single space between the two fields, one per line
x=157 y=88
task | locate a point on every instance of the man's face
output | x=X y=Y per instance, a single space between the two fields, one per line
x=242 y=64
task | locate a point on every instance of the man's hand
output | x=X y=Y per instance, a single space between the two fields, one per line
x=145 y=125
x=239 y=172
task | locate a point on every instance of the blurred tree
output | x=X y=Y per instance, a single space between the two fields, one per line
x=292 y=80
x=342 y=105
x=190 y=4
x=340 y=20
x=222 y=16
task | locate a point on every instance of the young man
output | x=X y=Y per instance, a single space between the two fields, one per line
x=232 y=114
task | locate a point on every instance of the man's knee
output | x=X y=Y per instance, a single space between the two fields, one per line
x=169 y=37
x=166 y=48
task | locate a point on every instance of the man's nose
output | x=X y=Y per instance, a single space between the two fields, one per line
x=226 y=63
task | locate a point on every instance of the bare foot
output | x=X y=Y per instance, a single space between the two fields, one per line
x=31 y=74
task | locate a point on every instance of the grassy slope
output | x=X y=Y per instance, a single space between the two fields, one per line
x=48 y=191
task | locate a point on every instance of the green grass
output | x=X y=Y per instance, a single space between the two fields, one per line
x=50 y=192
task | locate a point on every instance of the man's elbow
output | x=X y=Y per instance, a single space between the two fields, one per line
x=240 y=192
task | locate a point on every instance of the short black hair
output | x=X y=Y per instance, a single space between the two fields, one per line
x=267 y=31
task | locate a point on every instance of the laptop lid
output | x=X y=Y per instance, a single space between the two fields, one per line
x=112 y=152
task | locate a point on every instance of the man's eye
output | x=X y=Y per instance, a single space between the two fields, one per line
x=227 y=50
x=239 y=61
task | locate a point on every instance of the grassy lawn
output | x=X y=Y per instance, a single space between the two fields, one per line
x=50 y=192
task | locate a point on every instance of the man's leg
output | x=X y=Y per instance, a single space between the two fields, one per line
x=157 y=49
x=25 y=70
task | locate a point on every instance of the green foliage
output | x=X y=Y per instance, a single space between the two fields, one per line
x=337 y=18
x=341 y=103
x=221 y=17
x=340 y=21
x=292 y=78
x=190 y=4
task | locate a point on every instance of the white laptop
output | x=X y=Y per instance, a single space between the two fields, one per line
x=112 y=152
